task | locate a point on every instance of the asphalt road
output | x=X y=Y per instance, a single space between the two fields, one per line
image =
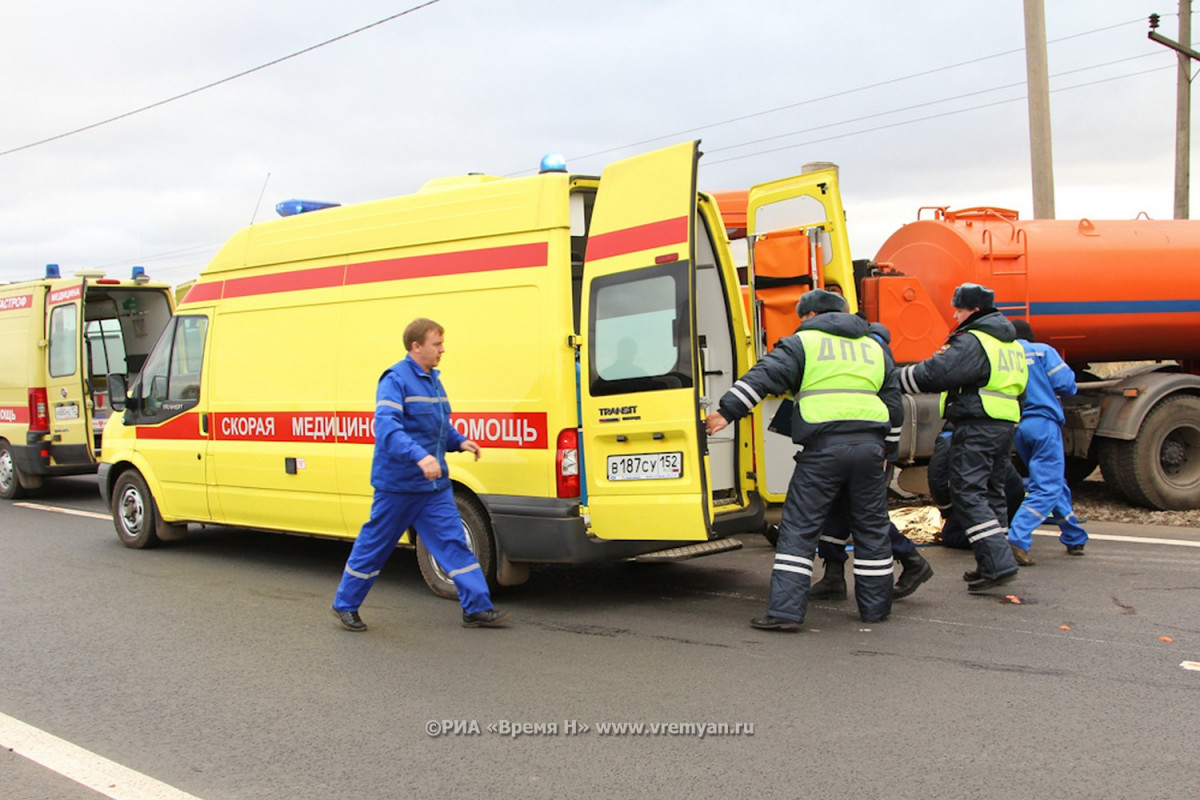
x=214 y=666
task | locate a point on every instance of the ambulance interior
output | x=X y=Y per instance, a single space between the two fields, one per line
x=641 y=338
x=120 y=328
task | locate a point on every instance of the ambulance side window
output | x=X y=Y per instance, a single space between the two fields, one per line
x=639 y=331
x=64 y=338
x=170 y=380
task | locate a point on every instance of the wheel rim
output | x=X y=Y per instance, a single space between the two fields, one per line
x=8 y=473
x=1179 y=456
x=441 y=574
x=133 y=511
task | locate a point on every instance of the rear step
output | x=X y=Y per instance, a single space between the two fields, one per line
x=690 y=551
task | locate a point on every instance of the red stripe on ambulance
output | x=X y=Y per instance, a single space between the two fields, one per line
x=526 y=431
x=16 y=302
x=667 y=233
x=484 y=259
x=65 y=295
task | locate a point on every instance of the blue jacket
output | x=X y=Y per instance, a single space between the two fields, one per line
x=1049 y=377
x=412 y=420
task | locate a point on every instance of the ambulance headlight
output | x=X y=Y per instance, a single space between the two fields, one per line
x=290 y=207
x=553 y=162
x=52 y=271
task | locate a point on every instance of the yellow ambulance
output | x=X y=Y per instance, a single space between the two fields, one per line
x=590 y=323
x=59 y=340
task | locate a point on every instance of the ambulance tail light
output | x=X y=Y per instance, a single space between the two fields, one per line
x=39 y=413
x=567 y=460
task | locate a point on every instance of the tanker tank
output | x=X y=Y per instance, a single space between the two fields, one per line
x=1097 y=290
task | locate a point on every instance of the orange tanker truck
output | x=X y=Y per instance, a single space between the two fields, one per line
x=1119 y=299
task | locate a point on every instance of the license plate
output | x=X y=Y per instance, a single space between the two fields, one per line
x=645 y=467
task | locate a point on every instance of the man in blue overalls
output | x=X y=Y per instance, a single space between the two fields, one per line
x=1039 y=443
x=412 y=485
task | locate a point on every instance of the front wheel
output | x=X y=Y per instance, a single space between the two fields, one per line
x=10 y=478
x=134 y=512
x=478 y=533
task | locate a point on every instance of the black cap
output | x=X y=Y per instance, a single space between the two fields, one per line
x=1024 y=330
x=972 y=295
x=820 y=301
x=880 y=332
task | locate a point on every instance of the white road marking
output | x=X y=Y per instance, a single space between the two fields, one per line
x=56 y=509
x=1107 y=537
x=1192 y=665
x=82 y=766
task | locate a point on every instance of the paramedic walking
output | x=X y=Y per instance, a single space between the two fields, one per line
x=846 y=396
x=412 y=484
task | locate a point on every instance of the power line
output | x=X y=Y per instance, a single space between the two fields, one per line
x=833 y=96
x=208 y=86
x=924 y=119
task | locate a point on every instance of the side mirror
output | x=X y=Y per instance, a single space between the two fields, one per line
x=116 y=391
x=158 y=389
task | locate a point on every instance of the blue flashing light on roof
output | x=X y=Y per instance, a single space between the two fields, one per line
x=138 y=274
x=52 y=271
x=290 y=207
x=553 y=162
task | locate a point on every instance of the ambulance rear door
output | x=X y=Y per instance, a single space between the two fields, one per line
x=797 y=241
x=70 y=429
x=641 y=376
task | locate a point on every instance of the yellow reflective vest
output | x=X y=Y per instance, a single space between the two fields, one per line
x=842 y=378
x=1000 y=394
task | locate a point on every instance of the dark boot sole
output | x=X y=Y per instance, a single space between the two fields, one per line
x=983 y=584
x=904 y=590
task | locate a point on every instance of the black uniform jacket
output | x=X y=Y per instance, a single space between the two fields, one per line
x=960 y=367
x=781 y=371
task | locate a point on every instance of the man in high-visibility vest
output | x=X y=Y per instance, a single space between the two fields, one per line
x=981 y=373
x=846 y=400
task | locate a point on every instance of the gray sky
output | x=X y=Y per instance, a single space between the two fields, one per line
x=921 y=103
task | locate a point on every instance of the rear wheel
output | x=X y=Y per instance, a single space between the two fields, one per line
x=1161 y=467
x=10 y=478
x=135 y=514
x=478 y=533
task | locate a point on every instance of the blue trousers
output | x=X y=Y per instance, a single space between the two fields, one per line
x=1047 y=496
x=821 y=475
x=436 y=520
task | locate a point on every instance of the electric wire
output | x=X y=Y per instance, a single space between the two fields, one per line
x=214 y=84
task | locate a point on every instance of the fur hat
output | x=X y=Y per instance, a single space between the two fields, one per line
x=972 y=295
x=820 y=301
x=1024 y=330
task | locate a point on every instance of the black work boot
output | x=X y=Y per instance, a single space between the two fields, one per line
x=916 y=571
x=832 y=585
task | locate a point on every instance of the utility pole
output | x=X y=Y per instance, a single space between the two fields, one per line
x=1038 y=82
x=1183 y=103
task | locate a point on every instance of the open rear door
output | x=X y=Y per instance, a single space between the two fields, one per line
x=71 y=443
x=797 y=241
x=640 y=367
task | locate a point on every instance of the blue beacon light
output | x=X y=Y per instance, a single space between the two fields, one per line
x=291 y=207
x=139 y=275
x=52 y=271
x=553 y=162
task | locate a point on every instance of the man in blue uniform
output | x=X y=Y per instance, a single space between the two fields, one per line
x=846 y=401
x=981 y=374
x=832 y=545
x=1039 y=443
x=412 y=484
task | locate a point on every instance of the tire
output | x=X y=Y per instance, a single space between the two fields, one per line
x=135 y=514
x=1110 y=454
x=478 y=532
x=10 y=477
x=1079 y=469
x=1163 y=463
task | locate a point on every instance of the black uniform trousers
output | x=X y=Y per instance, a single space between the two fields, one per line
x=824 y=468
x=979 y=464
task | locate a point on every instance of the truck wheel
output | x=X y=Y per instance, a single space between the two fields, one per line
x=478 y=532
x=10 y=479
x=135 y=514
x=1164 y=460
x=1078 y=470
x=1113 y=464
